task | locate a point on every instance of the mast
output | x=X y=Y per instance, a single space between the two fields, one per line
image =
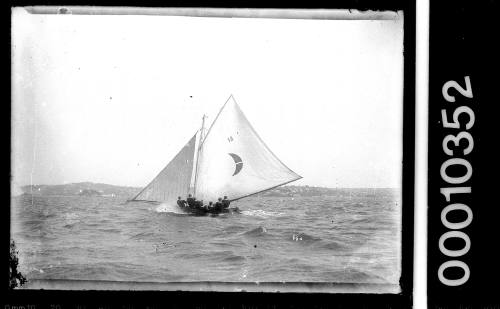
x=200 y=144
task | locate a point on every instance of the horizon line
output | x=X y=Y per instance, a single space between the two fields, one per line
x=131 y=186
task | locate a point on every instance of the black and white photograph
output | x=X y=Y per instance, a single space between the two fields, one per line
x=207 y=149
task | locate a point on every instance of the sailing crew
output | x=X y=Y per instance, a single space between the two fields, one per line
x=214 y=180
x=190 y=201
x=225 y=202
x=206 y=208
x=218 y=204
x=181 y=203
x=198 y=204
x=210 y=206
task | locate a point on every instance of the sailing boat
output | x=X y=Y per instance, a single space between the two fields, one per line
x=230 y=159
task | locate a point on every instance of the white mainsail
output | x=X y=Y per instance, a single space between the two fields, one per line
x=234 y=161
x=231 y=160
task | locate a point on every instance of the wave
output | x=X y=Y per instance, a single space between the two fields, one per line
x=331 y=245
x=110 y=230
x=33 y=223
x=71 y=219
x=304 y=238
x=256 y=232
x=362 y=222
x=348 y=275
x=261 y=213
x=234 y=258
x=169 y=208
x=164 y=246
x=233 y=229
x=143 y=235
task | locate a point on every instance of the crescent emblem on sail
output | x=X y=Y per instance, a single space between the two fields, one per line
x=238 y=162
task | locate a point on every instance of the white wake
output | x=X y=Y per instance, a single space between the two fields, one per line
x=262 y=213
x=164 y=207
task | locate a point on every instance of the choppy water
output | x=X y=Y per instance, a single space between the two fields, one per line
x=353 y=237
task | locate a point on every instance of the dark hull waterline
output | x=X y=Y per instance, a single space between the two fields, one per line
x=206 y=212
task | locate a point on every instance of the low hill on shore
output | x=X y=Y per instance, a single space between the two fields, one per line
x=83 y=189
x=100 y=189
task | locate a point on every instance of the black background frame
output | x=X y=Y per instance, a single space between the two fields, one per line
x=462 y=43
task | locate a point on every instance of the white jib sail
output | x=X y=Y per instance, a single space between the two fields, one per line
x=234 y=161
x=174 y=180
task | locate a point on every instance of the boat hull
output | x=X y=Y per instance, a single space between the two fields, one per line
x=206 y=212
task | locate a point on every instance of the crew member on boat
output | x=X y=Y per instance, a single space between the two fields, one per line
x=225 y=202
x=206 y=208
x=218 y=204
x=191 y=201
x=181 y=203
x=198 y=204
x=210 y=206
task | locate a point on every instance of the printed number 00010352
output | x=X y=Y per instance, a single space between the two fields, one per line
x=457 y=140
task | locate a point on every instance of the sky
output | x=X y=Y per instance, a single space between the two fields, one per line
x=112 y=99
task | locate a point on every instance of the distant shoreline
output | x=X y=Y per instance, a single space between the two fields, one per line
x=107 y=190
